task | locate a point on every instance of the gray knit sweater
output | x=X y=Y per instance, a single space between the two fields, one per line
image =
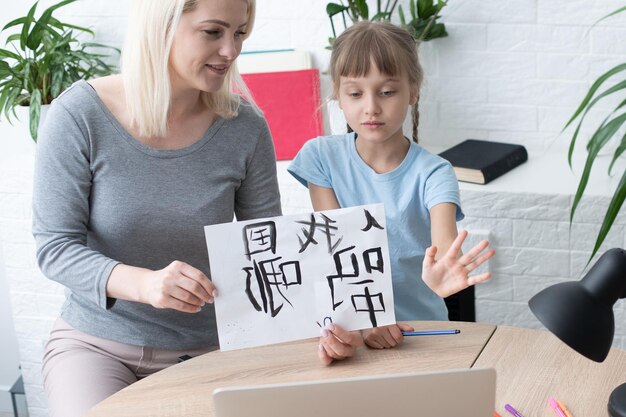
x=101 y=197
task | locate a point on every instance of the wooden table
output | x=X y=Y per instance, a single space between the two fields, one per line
x=531 y=366
x=534 y=365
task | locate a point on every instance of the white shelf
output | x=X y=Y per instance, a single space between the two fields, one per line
x=549 y=173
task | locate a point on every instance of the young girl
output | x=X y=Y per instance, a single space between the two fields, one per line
x=376 y=76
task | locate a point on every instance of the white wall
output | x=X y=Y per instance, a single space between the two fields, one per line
x=9 y=362
x=511 y=70
x=8 y=348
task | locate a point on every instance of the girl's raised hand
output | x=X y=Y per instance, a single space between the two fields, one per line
x=386 y=336
x=451 y=274
x=337 y=343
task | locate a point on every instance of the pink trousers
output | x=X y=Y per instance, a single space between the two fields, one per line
x=80 y=370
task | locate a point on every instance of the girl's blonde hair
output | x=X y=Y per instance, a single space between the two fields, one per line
x=145 y=71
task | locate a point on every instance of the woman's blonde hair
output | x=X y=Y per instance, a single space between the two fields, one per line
x=145 y=71
x=390 y=48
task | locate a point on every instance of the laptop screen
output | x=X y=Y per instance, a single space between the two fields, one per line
x=463 y=392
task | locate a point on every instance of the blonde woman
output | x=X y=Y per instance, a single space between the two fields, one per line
x=129 y=169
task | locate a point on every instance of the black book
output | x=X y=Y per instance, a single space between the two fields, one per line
x=480 y=161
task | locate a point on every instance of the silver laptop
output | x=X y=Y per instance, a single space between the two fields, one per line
x=463 y=392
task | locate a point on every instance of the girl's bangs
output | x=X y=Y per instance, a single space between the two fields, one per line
x=367 y=50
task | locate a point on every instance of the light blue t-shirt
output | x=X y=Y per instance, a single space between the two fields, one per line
x=420 y=182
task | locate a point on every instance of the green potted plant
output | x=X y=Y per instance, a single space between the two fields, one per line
x=357 y=10
x=608 y=129
x=42 y=59
x=424 y=15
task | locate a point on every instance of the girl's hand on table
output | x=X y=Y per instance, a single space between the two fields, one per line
x=337 y=343
x=386 y=336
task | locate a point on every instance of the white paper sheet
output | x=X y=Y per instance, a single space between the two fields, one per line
x=282 y=278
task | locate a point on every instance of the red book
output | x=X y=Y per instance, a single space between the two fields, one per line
x=291 y=103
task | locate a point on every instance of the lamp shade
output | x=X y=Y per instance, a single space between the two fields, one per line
x=580 y=313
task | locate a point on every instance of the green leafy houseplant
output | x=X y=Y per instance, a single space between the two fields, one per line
x=609 y=128
x=357 y=10
x=42 y=59
x=424 y=15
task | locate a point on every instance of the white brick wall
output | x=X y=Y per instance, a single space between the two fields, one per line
x=511 y=71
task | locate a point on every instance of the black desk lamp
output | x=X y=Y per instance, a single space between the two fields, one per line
x=580 y=313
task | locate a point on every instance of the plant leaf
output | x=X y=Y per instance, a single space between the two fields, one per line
x=46 y=20
x=620 y=10
x=412 y=9
x=11 y=102
x=79 y=28
x=593 y=89
x=8 y=54
x=393 y=6
x=63 y=26
x=425 y=8
x=611 y=213
x=589 y=104
x=611 y=90
x=36 y=34
x=602 y=139
x=606 y=132
x=423 y=25
x=48 y=12
x=619 y=86
x=35 y=110
x=438 y=30
x=13 y=38
x=3 y=100
x=380 y=16
x=401 y=14
x=334 y=8
x=599 y=139
x=26 y=26
x=56 y=84
x=5 y=70
x=42 y=25
x=362 y=8
x=618 y=152
x=98 y=45
x=18 y=21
